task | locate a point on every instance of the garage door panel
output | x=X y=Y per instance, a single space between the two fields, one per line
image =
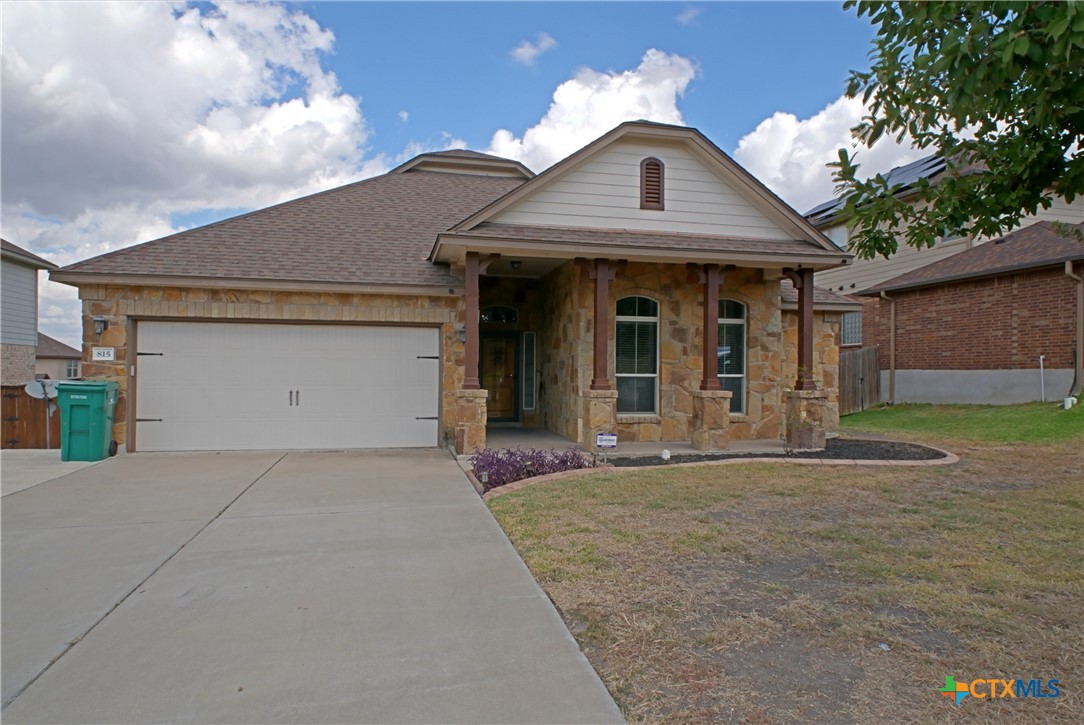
x=225 y=386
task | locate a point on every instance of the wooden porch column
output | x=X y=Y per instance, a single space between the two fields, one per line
x=710 y=379
x=803 y=282
x=470 y=375
x=602 y=271
x=475 y=267
x=712 y=276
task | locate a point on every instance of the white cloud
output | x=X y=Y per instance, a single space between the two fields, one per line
x=688 y=15
x=119 y=116
x=789 y=154
x=404 y=116
x=592 y=102
x=527 y=52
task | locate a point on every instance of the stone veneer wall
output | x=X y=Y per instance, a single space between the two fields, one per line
x=568 y=329
x=826 y=330
x=17 y=364
x=566 y=349
x=120 y=304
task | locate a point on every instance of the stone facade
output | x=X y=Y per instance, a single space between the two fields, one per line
x=711 y=420
x=123 y=305
x=805 y=429
x=17 y=363
x=470 y=421
x=566 y=350
x=559 y=307
x=599 y=415
x=568 y=329
x=826 y=331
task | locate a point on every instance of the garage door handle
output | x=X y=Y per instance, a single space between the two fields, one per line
x=291 y=398
x=425 y=417
x=428 y=357
x=297 y=397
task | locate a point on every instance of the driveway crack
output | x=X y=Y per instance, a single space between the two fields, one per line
x=76 y=640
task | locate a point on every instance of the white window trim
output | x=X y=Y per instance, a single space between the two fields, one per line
x=745 y=351
x=634 y=318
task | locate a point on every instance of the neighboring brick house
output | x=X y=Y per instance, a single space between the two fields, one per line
x=460 y=290
x=971 y=328
x=55 y=360
x=860 y=329
x=19 y=305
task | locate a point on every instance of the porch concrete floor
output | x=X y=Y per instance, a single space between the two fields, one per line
x=500 y=437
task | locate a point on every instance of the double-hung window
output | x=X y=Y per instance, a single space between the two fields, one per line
x=637 y=356
x=731 y=353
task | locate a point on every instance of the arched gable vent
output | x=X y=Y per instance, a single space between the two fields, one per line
x=651 y=184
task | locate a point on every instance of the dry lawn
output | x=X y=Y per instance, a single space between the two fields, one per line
x=767 y=593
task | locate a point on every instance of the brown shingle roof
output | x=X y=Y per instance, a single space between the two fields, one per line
x=378 y=231
x=50 y=348
x=1037 y=245
x=652 y=240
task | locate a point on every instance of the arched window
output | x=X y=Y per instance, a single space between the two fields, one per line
x=731 y=353
x=499 y=314
x=652 y=193
x=637 y=355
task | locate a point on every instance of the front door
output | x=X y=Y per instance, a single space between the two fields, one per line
x=499 y=365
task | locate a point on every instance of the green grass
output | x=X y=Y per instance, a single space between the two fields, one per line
x=687 y=586
x=1028 y=423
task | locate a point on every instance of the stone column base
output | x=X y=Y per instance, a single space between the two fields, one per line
x=470 y=420
x=711 y=420
x=805 y=419
x=599 y=416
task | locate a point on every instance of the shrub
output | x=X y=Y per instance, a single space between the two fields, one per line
x=514 y=464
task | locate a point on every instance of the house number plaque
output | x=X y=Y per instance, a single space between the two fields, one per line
x=102 y=354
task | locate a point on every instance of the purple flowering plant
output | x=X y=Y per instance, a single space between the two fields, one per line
x=506 y=465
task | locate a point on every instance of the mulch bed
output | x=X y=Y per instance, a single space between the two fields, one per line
x=837 y=449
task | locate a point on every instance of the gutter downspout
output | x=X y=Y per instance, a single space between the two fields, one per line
x=891 y=350
x=1078 y=367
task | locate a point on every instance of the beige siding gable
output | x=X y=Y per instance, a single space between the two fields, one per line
x=604 y=192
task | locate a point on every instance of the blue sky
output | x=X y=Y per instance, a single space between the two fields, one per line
x=126 y=122
x=448 y=64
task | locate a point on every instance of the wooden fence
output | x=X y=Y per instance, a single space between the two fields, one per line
x=24 y=421
x=859 y=380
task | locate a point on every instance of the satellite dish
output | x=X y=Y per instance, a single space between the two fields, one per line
x=41 y=389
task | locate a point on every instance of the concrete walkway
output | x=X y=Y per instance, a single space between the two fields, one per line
x=21 y=469
x=268 y=587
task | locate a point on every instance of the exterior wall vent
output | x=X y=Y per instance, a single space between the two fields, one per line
x=651 y=184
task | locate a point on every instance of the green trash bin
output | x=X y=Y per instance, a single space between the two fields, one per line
x=86 y=420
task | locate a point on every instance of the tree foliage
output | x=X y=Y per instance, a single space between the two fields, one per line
x=997 y=89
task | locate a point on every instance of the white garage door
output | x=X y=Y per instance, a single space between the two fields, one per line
x=238 y=386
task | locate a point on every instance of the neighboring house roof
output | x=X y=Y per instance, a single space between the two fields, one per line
x=1037 y=245
x=51 y=348
x=18 y=254
x=373 y=232
x=906 y=176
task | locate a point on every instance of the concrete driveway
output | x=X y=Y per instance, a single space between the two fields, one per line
x=269 y=587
